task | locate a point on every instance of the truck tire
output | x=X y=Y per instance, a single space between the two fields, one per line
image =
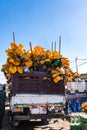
x=12 y=122
x=1 y=122
x=44 y=121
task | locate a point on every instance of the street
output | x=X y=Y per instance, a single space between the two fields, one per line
x=54 y=124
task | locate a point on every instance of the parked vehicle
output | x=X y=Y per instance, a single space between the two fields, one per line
x=2 y=105
x=34 y=96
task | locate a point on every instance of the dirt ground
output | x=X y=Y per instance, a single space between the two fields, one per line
x=54 y=124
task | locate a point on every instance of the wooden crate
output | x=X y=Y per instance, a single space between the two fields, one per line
x=33 y=82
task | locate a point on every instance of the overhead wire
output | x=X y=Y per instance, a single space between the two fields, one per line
x=80 y=64
x=77 y=59
x=72 y=61
x=82 y=59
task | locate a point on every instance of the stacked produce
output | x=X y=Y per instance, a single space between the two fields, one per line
x=74 y=105
x=84 y=106
x=37 y=59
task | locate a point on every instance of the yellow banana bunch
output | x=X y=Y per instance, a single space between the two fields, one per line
x=37 y=59
x=57 y=79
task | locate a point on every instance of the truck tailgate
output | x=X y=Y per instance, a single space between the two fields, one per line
x=36 y=99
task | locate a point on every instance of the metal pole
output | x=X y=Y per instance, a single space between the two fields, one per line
x=13 y=37
x=31 y=47
x=52 y=46
x=55 y=46
x=59 y=44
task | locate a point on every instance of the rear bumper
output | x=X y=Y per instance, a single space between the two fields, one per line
x=37 y=116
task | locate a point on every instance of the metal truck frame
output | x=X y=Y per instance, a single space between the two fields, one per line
x=33 y=95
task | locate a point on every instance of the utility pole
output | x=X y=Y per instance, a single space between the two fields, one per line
x=76 y=64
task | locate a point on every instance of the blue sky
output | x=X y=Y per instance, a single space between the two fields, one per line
x=43 y=21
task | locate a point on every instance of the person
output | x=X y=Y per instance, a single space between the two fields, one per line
x=2 y=105
x=1 y=87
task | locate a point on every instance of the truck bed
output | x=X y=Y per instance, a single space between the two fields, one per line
x=36 y=83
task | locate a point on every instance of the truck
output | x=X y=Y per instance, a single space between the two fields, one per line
x=2 y=104
x=33 y=95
